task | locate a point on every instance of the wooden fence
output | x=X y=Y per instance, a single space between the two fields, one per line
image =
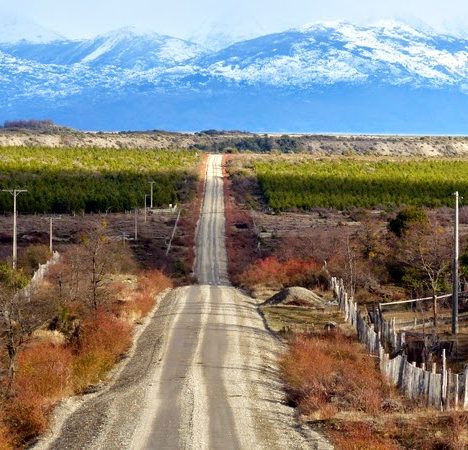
x=39 y=276
x=441 y=389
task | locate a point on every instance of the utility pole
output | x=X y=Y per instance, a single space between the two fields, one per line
x=151 y=198
x=455 y=268
x=51 y=233
x=146 y=197
x=14 y=193
x=136 y=225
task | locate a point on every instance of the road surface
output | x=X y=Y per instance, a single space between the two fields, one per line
x=203 y=374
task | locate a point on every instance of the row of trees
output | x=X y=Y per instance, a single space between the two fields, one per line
x=359 y=183
x=30 y=124
x=94 y=180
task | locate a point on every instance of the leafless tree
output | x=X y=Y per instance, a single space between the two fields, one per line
x=427 y=251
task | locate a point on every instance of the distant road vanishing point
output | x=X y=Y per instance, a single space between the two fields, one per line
x=203 y=374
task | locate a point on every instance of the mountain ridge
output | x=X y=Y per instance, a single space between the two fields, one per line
x=302 y=66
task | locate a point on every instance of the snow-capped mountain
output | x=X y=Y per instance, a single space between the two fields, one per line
x=124 y=48
x=15 y=29
x=328 y=53
x=389 y=77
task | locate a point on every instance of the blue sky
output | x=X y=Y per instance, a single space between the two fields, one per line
x=186 y=18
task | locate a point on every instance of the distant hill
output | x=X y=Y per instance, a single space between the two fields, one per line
x=326 y=77
x=237 y=141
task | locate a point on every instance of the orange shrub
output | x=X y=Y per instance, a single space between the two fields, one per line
x=154 y=281
x=103 y=339
x=46 y=369
x=43 y=377
x=26 y=415
x=6 y=439
x=150 y=284
x=332 y=370
x=276 y=274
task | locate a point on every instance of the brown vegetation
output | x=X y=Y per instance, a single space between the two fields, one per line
x=330 y=373
x=241 y=243
x=334 y=382
x=93 y=301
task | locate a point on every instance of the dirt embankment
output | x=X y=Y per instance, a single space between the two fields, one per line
x=238 y=141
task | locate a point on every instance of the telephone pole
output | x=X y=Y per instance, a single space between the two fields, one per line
x=146 y=196
x=151 y=195
x=136 y=224
x=14 y=193
x=51 y=233
x=455 y=268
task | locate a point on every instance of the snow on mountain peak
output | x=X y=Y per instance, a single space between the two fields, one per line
x=128 y=47
x=14 y=29
x=319 y=54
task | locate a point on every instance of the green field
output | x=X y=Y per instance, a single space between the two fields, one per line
x=65 y=180
x=341 y=184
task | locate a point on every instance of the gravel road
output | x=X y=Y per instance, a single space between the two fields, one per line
x=202 y=375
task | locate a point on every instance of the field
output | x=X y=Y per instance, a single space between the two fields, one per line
x=305 y=183
x=67 y=180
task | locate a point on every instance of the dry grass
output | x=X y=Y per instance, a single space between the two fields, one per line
x=330 y=373
x=331 y=379
x=359 y=436
x=150 y=283
x=299 y=319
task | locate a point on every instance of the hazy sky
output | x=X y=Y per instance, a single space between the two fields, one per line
x=182 y=18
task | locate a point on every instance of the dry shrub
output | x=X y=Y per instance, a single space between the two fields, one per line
x=46 y=369
x=332 y=371
x=6 y=439
x=44 y=376
x=359 y=436
x=103 y=339
x=150 y=284
x=446 y=430
x=26 y=415
x=241 y=244
x=273 y=273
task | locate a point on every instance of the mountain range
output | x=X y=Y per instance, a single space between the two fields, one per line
x=326 y=77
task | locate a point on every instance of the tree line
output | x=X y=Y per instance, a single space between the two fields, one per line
x=94 y=180
x=358 y=183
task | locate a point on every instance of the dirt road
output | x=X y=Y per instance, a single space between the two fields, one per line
x=203 y=374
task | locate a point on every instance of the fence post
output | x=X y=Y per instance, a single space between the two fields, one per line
x=402 y=338
x=444 y=381
x=448 y=388
x=465 y=389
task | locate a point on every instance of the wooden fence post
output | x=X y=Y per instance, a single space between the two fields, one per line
x=465 y=389
x=444 y=381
